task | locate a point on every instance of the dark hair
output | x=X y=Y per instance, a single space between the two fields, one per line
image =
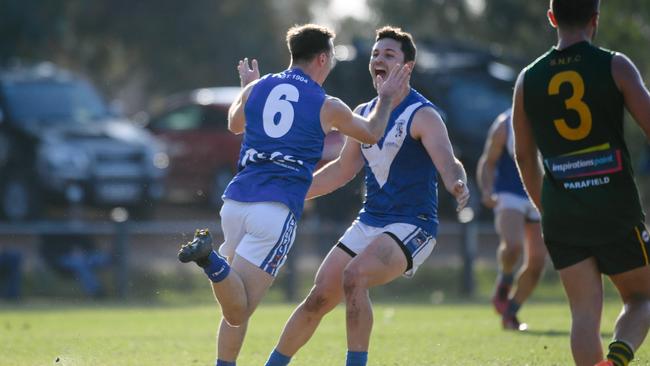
x=574 y=13
x=307 y=41
x=404 y=38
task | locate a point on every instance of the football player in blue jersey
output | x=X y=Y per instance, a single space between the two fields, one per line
x=397 y=226
x=517 y=222
x=284 y=117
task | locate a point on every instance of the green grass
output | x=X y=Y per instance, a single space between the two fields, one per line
x=449 y=334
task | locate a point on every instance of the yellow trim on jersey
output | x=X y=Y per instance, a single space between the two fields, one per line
x=645 y=253
x=602 y=147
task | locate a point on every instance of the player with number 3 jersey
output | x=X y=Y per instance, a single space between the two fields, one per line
x=569 y=104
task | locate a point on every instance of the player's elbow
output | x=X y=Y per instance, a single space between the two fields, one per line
x=235 y=128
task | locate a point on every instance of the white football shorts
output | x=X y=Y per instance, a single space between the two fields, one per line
x=515 y=202
x=260 y=232
x=416 y=243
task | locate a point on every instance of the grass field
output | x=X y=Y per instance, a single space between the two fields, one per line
x=456 y=334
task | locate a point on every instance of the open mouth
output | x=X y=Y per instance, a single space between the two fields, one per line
x=381 y=72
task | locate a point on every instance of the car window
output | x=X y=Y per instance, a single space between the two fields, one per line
x=54 y=102
x=487 y=102
x=184 y=118
x=215 y=118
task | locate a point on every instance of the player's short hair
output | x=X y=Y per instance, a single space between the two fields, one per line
x=574 y=13
x=404 y=38
x=307 y=41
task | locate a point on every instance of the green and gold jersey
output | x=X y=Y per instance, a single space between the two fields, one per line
x=576 y=110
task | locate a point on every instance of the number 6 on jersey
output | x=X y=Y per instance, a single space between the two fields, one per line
x=279 y=102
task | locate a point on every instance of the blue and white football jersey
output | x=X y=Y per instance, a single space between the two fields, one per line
x=283 y=141
x=401 y=179
x=507 y=178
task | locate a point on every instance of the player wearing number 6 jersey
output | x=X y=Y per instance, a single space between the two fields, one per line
x=284 y=118
x=569 y=104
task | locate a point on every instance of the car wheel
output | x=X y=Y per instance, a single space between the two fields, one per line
x=18 y=198
x=219 y=184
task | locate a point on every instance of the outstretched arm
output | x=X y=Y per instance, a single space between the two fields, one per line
x=427 y=126
x=337 y=115
x=635 y=94
x=528 y=163
x=485 y=171
x=338 y=172
x=248 y=77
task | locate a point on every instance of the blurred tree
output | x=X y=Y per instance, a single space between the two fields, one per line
x=158 y=46
x=174 y=45
x=154 y=47
x=516 y=27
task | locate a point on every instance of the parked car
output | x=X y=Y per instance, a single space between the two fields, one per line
x=60 y=143
x=471 y=87
x=203 y=153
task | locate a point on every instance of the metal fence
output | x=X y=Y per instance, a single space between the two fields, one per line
x=122 y=234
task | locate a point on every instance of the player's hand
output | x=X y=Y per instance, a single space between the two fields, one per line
x=461 y=193
x=396 y=81
x=489 y=200
x=246 y=73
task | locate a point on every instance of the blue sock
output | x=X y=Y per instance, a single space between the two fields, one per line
x=225 y=363
x=277 y=359
x=217 y=268
x=513 y=308
x=356 y=358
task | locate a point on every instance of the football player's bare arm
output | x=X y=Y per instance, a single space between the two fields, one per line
x=525 y=146
x=487 y=163
x=248 y=77
x=236 y=117
x=636 y=95
x=336 y=115
x=427 y=126
x=338 y=172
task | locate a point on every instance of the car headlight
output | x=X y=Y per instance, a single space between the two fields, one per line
x=160 y=160
x=65 y=158
x=157 y=162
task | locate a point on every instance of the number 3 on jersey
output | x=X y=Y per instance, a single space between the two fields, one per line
x=279 y=102
x=575 y=103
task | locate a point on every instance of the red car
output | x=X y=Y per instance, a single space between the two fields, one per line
x=202 y=152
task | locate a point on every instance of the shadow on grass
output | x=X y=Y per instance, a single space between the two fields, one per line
x=558 y=333
x=547 y=332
